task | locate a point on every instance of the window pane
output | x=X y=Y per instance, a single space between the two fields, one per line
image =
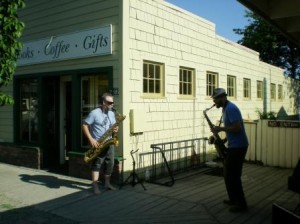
x=186 y=82
x=259 y=90
x=247 y=88
x=151 y=71
x=157 y=72
x=211 y=83
x=151 y=86
x=145 y=70
x=152 y=78
x=231 y=86
x=29 y=111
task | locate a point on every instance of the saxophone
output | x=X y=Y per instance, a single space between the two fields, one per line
x=215 y=139
x=105 y=141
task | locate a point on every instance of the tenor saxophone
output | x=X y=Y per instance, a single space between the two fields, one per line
x=215 y=138
x=105 y=140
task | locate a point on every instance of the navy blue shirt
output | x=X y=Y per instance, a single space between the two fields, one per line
x=231 y=115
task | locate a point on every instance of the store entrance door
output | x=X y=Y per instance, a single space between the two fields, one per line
x=50 y=115
x=57 y=123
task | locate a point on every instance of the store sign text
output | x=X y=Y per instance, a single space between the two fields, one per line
x=284 y=124
x=86 y=43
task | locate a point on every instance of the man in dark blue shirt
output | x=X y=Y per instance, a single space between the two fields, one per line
x=237 y=143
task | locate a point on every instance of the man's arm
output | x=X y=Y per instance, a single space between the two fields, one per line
x=235 y=127
x=86 y=132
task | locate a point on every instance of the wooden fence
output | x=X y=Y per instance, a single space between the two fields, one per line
x=274 y=142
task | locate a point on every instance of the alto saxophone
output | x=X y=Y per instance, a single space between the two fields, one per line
x=105 y=140
x=215 y=139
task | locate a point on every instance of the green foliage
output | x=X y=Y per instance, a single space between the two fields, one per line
x=274 y=48
x=266 y=115
x=11 y=29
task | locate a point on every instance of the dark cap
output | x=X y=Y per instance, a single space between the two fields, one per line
x=218 y=92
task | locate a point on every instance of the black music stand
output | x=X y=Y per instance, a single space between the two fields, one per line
x=133 y=175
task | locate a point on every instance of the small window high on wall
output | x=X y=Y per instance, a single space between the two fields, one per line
x=153 y=79
x=273 y=91
x=259 y=90
x=247 y=88
x=211 y=82
x=186 y=82
x=231 y=86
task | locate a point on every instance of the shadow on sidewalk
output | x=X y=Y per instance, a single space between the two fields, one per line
x=52 y=181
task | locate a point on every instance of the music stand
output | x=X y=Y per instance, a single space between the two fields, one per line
x=133 y=175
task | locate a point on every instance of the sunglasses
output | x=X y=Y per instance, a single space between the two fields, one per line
x=109 y=102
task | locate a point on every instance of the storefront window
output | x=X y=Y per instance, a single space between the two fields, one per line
x=29 y=111
x=92 y=86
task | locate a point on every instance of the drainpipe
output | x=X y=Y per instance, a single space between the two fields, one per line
x=265 y=94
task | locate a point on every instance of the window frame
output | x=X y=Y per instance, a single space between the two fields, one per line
x=273 y=91
x=187 y=84
x=210 y=87
x=233 y=91
x=247 y=88
x=280 y=92
x=156 y=81
x=259 y=90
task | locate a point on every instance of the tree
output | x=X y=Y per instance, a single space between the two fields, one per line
x=11 y=29
x=274 y=48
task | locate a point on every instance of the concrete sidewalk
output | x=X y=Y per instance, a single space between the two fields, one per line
x=36 y=196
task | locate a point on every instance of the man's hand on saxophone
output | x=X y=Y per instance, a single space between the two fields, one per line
x=116 y=129
x=95 y=144
x=216 y=129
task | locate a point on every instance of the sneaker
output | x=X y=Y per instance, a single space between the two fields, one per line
x=228 y=202
x=238 y=208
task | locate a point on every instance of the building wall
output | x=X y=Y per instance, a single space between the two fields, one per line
x=157 y=31
x=6 y=121
x=164 y=33
x=44 y=19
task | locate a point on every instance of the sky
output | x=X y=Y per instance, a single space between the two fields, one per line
x=226 y=14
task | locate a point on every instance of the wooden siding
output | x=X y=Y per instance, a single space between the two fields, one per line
x=44 y=19
x=6 y=118
x=163 y=33
x=273 y=146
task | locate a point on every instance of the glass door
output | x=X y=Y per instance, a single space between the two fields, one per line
x=92 y=86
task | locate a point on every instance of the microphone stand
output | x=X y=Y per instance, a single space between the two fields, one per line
x=133 y=175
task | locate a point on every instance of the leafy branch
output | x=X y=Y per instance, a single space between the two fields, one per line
x=11 y=30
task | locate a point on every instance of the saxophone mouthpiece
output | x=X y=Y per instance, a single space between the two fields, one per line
x=210 y=107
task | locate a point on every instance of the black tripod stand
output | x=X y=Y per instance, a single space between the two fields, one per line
x=133 y=175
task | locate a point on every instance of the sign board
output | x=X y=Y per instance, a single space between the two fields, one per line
x=284 y=124
x=87 y=43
